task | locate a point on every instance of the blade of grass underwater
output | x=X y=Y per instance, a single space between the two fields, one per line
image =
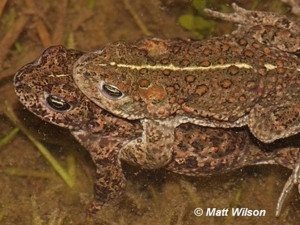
x=35 y=216
x=136 y=18
x=91 y=5
x=9 y=136
x=71 y=166
x=2 y=214
x=31 y=173
x=43 y=150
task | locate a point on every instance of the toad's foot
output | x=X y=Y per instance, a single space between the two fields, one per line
x=293 y=179
x=154 y=149
x=269 y=121
x=264 y=23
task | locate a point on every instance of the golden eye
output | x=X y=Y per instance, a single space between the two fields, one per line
x=111 y=91
x=57 y=103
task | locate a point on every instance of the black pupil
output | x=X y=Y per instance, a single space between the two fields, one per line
x=112 y=91
x=58 y=103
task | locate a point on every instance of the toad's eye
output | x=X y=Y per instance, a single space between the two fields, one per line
x=57 y=103
x=111 y=91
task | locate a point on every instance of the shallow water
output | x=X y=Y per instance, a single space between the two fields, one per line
x=32 y=193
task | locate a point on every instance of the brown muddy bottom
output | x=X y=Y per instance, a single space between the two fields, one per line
x=31 y=192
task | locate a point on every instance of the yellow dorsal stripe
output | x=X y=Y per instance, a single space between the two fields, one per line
x=58 y=75
x=270 y=66
x=192 y=68
x=176 y=68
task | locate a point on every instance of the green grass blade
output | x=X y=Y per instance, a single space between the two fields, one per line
x=9 y=136
x=43 y=150
x=2 y=214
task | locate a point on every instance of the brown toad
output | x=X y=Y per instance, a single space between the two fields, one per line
x=249 y=78
x=47 y=89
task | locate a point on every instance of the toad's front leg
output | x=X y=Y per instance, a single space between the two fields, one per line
x=110 y=180
x=154 y=148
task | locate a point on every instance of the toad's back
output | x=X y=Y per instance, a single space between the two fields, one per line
x=221 y=78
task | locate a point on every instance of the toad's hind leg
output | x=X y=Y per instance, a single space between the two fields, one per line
x=267 y=27
x=251 y=18
x=110 y=180
x=154 y=148
x=275 y=119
